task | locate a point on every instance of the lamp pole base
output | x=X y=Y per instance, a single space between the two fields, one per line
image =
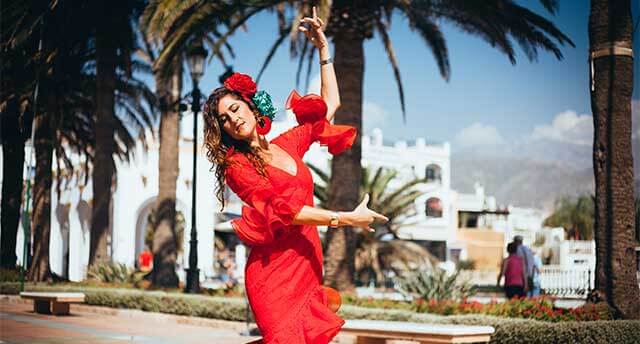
x=193 y=281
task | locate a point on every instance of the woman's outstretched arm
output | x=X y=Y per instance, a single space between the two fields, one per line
x=328 y=83
x=361 y=216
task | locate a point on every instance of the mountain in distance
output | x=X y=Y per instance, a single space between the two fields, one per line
x=531 y=175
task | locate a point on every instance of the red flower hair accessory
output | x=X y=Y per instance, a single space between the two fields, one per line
x=243 y=84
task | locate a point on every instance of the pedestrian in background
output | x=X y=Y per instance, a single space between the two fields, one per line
x=513 y=269
x=526 y=254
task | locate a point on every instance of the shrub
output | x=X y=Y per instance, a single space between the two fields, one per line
x=435 y=284
x=10 y=275
x=466 y=264
x=112 y=272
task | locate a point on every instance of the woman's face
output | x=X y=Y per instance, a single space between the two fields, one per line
x=236 y=117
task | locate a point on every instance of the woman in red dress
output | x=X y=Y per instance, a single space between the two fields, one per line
x=284 y=271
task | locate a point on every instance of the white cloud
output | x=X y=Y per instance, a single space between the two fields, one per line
x=478 y=134
x=373 y=115
x=568 y=127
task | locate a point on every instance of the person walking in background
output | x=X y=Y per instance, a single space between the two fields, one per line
x=526 y=254
x=513 y=269
x=537 y=265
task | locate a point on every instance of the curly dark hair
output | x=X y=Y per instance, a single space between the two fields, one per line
x=218 y=142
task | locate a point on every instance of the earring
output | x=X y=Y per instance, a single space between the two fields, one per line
x=264 y=125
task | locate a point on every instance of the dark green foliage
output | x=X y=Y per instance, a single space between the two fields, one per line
x=575 y=216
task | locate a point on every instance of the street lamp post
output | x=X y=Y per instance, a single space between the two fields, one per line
x=195 y=60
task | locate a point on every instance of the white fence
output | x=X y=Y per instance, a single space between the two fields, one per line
x=566 y=282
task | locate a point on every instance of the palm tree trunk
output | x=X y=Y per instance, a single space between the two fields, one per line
x=104 y=130
x=41 y=216
x=610 y=22
x=346 y=168
x=13 y=155
x=164 y=238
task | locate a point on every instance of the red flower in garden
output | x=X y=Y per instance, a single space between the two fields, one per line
x=242 y=84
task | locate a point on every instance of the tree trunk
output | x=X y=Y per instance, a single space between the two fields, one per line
x=165 y=249
x=41 y=215
x=103 y=168
x=609 y=22
x=13 y=155
x=346 y=168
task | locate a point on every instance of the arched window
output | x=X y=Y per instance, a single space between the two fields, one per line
x=433 y=173
x=434 y=207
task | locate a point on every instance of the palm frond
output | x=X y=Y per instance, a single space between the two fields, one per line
x=388 y=47
x=272 y=52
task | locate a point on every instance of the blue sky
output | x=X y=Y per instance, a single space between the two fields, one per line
x=486 y=98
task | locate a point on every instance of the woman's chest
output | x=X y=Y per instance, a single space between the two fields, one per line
x=286 y=169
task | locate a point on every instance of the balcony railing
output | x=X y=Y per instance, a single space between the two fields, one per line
x=566 y=282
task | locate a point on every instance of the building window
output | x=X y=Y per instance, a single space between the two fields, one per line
x=433 y=173
x=434 y=207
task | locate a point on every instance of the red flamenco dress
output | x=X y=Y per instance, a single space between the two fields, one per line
x=283 y=275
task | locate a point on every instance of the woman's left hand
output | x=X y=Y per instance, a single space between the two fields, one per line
x=314 y=33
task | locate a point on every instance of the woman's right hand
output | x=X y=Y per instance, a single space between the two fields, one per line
x=362 y=216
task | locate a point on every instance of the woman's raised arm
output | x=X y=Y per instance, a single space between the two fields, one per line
x=328 y=82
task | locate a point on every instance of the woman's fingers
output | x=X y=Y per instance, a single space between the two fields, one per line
x=380 y=217
x=311 y=21
x=365 y=199
x=305 y=31
x=315 y=13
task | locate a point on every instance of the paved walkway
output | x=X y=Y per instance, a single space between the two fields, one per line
x=19 y=324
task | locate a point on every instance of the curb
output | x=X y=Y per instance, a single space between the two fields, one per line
x=138 y=314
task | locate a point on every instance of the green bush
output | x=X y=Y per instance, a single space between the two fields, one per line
x=111 y=272
x=10 y=288
x=508 y=330
x=463 y=264
x=435 y=284
x=10 y=275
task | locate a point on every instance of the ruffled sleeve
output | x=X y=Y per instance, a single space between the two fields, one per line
x=267 y=214
x=311 y=114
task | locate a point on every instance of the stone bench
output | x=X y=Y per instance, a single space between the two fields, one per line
x=377 y=332
x=52 y=303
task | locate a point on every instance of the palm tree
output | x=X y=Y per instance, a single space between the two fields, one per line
x=113 y=56
x=499 y=22
x=610 y=26
x=168 y=81
x=576 y=217
x=383 y=250
x=15 y=130
x=163 y=19
x=64 y=123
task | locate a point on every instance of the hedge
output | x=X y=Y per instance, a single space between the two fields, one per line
x=508 y=330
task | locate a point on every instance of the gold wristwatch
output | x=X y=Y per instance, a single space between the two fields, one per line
x=334 y=220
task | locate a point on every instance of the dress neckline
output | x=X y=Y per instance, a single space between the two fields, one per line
x=295 y=161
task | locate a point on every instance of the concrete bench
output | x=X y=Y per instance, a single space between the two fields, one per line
x=52 y=303
x=377 y=332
